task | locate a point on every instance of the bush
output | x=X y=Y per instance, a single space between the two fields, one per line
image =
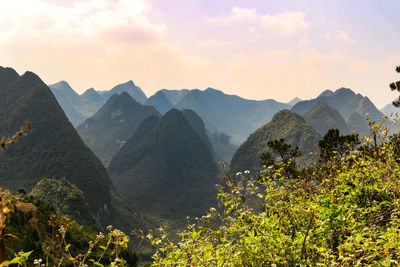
x=342 y=211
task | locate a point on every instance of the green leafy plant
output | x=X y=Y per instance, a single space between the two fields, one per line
x=338 y=213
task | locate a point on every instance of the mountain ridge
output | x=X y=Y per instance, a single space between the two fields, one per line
x=107 y=130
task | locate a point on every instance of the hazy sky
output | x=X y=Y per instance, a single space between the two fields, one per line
x=257 y=49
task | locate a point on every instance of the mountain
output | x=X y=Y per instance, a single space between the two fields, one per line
x=166 y=169
x=174 y=96
x=128 y=87
x=357 y=122
x=219 y=144
x=294 y=101
x=346 y=102
x=53 y=149
x=160 y=102
x=92 y=96
x=198 y=126
x=68 y=100
x=80 y=107
x=322 y=117
x=108 y=129
x=77 y=107
x=337 y=100
x=222 y=146
x=389 y=109
x=229 y=114
x=284 y=124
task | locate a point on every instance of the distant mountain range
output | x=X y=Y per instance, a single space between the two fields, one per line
x=221 y=113
x=109 y=128
x=294 y=101
x=229 y=114
x=53 y=150
x=166 y=168
x=80 y=107
x=351 y=106
x=226 y=115
x=128 y=87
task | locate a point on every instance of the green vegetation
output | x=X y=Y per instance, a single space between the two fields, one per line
x=34 y=226
x=333 y=145
x=343 y=211
x=54 y=149
x=50 y=239
x=285 y=124
x=66 y=198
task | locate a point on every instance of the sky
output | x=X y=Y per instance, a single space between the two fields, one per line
x=257 y=49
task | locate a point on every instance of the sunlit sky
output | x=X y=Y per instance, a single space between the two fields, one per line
x=257 y=49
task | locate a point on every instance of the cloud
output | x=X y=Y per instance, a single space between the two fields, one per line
x=125 y=19
x=286 y=22
x=212 y=43
x=283 y=23
x=341 y=36
x=244 y=13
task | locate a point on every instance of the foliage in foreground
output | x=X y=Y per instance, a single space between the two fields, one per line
x=343 y=211
x=45 y=238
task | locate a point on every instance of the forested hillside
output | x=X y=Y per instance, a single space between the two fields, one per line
x=53 y=149
x=285 y=124
x=166 y=169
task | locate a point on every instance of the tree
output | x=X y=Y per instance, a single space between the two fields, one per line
x=282 y=155
x=395 y=86
x=335 y=145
